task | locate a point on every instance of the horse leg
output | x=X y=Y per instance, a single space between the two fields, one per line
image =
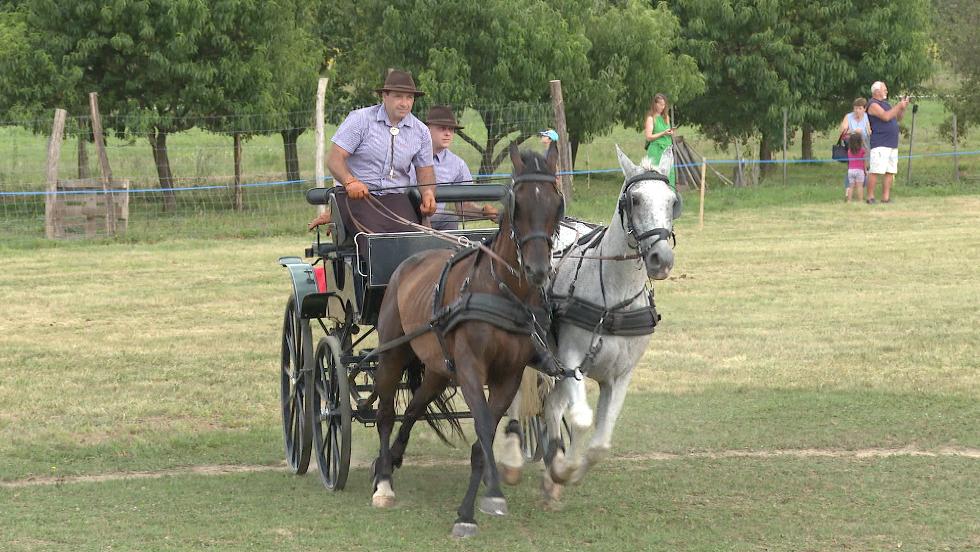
x=612 y=394
x=386 y=379
x=511 y=463
x=571 y=405
x=465 y=525
x=432 y=385
x=482 y=465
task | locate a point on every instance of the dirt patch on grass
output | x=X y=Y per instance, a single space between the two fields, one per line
x=224 y=469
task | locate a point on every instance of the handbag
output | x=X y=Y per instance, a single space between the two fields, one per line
x=839 y=151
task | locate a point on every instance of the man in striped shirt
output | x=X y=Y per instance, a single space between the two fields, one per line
x=373 y=151
x=450 y=169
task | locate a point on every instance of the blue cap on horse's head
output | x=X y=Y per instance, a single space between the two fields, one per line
x=550 y=134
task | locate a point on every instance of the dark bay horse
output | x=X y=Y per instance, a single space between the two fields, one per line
x=479 y=307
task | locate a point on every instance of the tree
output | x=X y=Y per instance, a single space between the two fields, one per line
x=956 y=23
x=266 y=62
x=497 y=56
x=759 y=56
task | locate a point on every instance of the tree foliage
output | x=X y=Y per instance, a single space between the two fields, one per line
x=813 y=58
x=956 y=23
x=497 y=56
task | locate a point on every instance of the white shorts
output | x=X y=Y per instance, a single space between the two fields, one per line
x=884 y=161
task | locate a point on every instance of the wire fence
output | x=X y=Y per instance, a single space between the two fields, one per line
x=202 y=162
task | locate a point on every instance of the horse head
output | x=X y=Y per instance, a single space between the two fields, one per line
x=534 y=206
x=647 y=208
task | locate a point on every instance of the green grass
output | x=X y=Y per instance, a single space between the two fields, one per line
x=791 y=322
x=777 y=504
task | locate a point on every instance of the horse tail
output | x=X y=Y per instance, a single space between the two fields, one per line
x=530 y=399
x=439 y=405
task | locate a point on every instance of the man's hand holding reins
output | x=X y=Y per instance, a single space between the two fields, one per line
x=428 y=207
x=356 y=189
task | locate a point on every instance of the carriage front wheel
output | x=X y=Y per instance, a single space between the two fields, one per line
x=297 y=363
x=331 y=414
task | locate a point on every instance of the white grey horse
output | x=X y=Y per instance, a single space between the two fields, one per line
x=611 y=272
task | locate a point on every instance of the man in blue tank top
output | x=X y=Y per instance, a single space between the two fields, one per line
x=883 y=159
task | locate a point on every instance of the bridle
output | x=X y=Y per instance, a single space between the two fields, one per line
x=635 y=238
x=510 y=206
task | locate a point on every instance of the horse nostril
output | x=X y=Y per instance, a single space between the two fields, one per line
x=654 y=259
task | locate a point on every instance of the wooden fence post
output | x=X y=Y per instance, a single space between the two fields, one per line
x=110 y=210
x=321 y=92
x=564 y=146
x=956 y=156
x=704 y=170
x=785 y=140
x=239 y=198
x=54 y=152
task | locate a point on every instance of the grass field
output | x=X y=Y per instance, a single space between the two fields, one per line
x=815 y=385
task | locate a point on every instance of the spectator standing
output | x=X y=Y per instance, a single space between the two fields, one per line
x=659 y=133
x=883 y=159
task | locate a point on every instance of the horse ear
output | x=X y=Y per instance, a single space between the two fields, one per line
x=629 y=168
x=552 y=157
x=515 y=158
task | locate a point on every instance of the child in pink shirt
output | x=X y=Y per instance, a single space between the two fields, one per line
x=856 y=166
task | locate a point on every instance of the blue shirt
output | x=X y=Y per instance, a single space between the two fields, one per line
x=450 y=169
x=378 y=159
x=884 y=134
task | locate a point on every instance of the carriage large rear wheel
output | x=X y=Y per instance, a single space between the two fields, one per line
x=331 y=414
x=297 y=363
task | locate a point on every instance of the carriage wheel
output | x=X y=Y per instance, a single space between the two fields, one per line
x=331 y=414
x=534 y=437
x=297 y=353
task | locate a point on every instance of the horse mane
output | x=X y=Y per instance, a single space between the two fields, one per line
x=535 y=163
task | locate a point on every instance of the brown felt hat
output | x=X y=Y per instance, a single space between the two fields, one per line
x=400 y=81
x=442 y=115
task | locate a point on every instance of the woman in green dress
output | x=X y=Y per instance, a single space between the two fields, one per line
x=658 y=132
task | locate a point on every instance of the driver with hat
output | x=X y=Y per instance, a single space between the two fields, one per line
x=372 y=154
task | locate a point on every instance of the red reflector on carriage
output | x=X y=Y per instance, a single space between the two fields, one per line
x=321 y=278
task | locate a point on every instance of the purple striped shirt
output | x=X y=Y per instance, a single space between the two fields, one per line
x=450 y=169
x=365 y=135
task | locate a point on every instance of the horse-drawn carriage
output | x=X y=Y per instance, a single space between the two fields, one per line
x=470 y=319
x=323 y=381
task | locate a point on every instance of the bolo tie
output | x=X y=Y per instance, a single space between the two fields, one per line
x=394 y=132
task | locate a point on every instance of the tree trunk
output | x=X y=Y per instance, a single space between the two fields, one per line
x=807 y=143
x=239 y=200
x=574 y=143
x=158 y=141
x=82 y=156
x=486 y=160
x=289 y=137
x=765 y=154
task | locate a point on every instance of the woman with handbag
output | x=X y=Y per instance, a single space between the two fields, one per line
x=855 y=122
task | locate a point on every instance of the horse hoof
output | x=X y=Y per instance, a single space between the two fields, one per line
x=464 y=530
x=382 y=501
x=560 y=477
x=493 y=505
x=510 y=475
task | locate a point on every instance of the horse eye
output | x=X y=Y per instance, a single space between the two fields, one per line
x=636 y=200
